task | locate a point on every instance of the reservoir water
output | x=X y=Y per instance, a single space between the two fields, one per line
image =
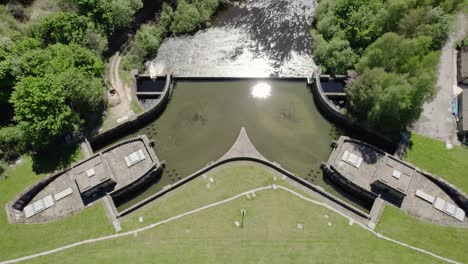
x=247 y=38
x=203 y=119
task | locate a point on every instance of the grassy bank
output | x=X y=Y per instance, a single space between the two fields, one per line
x=22 y=239
x=431 y=155
x=446 y=241
x=270 y=233
x=201 y=192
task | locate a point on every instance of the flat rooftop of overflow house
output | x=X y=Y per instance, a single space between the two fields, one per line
x=115 y=169
x=375 y=172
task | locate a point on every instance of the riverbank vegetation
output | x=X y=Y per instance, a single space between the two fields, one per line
x=51 y=67
x=394 y=48
x=182 y=17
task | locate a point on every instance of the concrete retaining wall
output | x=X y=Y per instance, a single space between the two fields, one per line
x=342 y=181
x=201 y=78
x=457 y=195
x=142 y=119
x=134 y=187
x=266 y=163
x=23 y=198
x=337 y=116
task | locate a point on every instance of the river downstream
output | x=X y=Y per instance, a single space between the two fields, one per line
x=250 y=38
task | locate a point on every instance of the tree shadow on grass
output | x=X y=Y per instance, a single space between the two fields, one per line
x=54 y=157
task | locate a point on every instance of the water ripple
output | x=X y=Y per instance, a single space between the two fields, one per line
x=250 y=38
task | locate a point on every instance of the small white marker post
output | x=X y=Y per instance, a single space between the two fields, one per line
x=243 y=212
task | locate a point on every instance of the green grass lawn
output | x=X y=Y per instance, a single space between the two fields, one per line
x=137 y=109
x=239 y=178
x=446 y=241
x=431 y=155
x=22 y=239
x=270 y=235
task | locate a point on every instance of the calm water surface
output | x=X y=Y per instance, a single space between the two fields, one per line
x=203 y=120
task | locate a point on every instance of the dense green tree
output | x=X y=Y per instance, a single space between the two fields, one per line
x=186 y=18
x=123 y=11
x=395 y=53
x=99 y=11
x=84 y=95
x=3 y=168
x=8 y=25
x=56 y=59
x=68 y=27
x=431 y=22
x=73 y=74
x=360 y=20
x=386 y=101
x=165 y=18
x=41 y=110
x=328 y=27
x=109 y=15
x=11 y=144
x=335 y=56
x=145 y=43
x=394 y=12
x=206 y=8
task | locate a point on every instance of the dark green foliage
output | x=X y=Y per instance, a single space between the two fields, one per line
x=3 y=167
x=57 y=87
x=385 y=100
x=11 y=144
x=395 y=53
x=334 y=56
x=145 y=43
x=187 y=17
x=459 y=45
x=50 y=74
x=41 y=110
x=8 y=25
x=431 y=22
x=165 y=18
x=56 y=59
x=191 y=15
x=66 y=28
x=85 y=95
x=9 y=53
x=108 y=15
x=360 y=20
x=396 y=71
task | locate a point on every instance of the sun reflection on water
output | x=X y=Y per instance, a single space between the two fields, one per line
x=261 y=90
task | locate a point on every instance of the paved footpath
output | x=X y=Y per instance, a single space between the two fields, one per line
x=89 y=241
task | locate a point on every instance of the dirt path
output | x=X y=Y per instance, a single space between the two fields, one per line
x=151 y=226
x=437 y=120
x=123 y=110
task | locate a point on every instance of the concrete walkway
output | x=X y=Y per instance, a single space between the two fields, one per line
x=436 y=120
x=243 y=194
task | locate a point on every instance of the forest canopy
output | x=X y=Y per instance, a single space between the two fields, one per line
x=394 y=47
